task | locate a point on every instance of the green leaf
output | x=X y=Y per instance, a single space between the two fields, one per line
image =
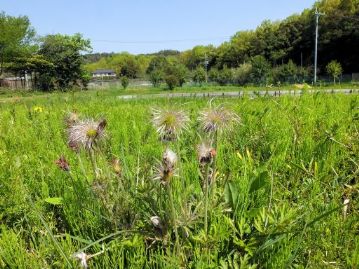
x=260 y=182
x=54 y=200
x=231 y=194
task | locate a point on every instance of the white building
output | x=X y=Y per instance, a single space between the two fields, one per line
x=104 y=73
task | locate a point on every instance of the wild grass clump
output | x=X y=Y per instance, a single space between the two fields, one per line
x=262 y=183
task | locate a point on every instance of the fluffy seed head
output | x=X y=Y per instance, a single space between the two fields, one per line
x=156 y=221
x=218 y=118
x=82 y=257
x=86 y=133
x=205 y=153
x=169 y=123
x=166 y=169
x=169 y=158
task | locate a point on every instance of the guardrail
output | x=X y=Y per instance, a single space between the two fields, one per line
x=240 y=94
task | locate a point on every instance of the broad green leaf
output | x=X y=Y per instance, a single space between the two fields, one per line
x=231 y=194
x=260 y=182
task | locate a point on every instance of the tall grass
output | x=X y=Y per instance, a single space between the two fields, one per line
x=282 y=175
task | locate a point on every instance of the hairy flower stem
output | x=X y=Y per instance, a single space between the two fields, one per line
x=82 y=166
x=173 y=214
x=213 y=164
x=93 y=162
x=206 y=196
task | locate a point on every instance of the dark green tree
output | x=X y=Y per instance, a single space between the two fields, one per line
x=64 y=52
x=260 y=70
x=171 y=81
x=16 y=39
x=130 y=68
x=157 y=63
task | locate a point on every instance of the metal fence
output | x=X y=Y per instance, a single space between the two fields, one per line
x=16 y=83
x=116 y=83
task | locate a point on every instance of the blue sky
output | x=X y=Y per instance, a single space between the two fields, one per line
x=140 y=26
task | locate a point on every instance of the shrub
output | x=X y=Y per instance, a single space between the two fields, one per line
x=241 y=75
x=260 y=70
x=156 y=78
x=124 y=82
x=213 y=75
x=179 y=71
x=225 y=76
x=199 y=75
x=171 y=81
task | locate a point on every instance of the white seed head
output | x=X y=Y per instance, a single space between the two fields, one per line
x=156 y=221
x=169 y=123
x=169 y=158
x=218 y=118
x=85 y=133
x=166 y=168
x=205 y=153
x=82 y=257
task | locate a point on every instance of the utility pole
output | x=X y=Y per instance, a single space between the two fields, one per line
x=206 y=62
x=317 y=15
x=301 y=59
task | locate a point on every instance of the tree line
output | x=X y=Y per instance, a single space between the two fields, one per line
x=274 y=53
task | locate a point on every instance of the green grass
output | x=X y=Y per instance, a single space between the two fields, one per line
x=282 y=175
x=6 y=94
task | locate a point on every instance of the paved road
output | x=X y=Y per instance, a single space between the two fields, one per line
x=251 y=94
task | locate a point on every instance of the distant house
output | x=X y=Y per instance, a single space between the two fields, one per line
x=104 y=73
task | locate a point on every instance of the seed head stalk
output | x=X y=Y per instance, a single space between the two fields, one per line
x=206 y=197
x=173 y=214
x=213 y=164
x=93 y=163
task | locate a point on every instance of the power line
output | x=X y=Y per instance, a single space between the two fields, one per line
x=159 y=41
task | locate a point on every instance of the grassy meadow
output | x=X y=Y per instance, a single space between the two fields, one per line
x=283 y=193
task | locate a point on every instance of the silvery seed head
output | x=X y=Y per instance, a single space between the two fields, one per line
x=82 y=257
x=169 y=123
x=86 y=133
x=216 y=119
x=166 y=168
x=156 y=221
x=169 y=159
x=205 y=153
